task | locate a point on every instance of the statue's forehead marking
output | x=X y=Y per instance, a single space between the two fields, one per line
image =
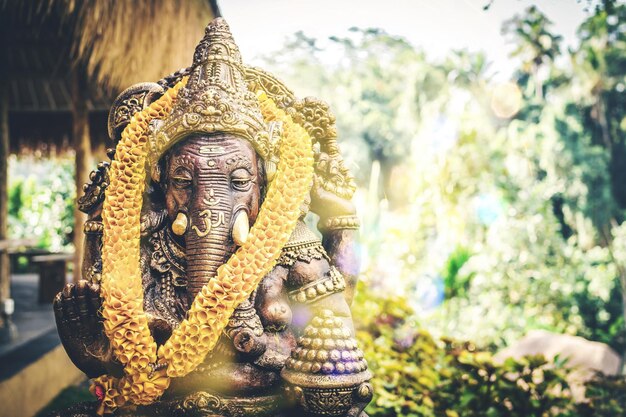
x=212 y=150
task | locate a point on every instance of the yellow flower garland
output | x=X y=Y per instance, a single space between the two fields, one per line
x=125 y=322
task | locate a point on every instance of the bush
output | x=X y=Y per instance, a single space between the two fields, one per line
x=41 y=201
x=418 y=375
x=607 y=397
x=530 y=386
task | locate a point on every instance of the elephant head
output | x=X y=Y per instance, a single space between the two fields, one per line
x=212 y=185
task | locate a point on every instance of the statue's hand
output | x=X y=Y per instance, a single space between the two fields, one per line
x=330 y=195
x=76 y=310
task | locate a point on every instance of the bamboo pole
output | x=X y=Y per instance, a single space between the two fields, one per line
x=82 y=147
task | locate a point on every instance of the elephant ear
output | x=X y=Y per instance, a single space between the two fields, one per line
x=153 y=212
x=315 y=116
x=270 y=164
x=151 y=221
x=130 y=101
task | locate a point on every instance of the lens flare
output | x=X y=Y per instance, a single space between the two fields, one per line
x=506 y=100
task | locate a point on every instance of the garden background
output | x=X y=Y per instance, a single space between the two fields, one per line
x=489 y=207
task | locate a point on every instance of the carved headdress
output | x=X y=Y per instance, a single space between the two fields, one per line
x=215 y=98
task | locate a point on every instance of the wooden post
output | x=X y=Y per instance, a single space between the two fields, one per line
x=82 y=147
x=5 y=278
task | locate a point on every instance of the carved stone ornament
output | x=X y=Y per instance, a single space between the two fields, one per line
x=204 y=292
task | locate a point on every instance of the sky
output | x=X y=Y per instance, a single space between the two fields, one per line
x=437 y=26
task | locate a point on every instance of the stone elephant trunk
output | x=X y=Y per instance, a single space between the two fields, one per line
x=212 y=193
x=208 y=238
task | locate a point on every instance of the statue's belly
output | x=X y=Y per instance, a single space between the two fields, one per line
x=229 y=373
x=230 y=379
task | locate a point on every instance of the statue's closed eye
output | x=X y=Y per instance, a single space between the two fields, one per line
x=241 y=179
x=182 y=178
x=181 y=182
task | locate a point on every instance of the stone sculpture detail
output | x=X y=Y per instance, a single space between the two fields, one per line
x=205 y=292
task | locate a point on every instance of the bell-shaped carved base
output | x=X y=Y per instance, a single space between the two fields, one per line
x=332 y=402
x=199 y=404
x=348 y=402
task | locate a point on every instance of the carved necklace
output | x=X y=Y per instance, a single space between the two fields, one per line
x=167 y=261
x=168 y=257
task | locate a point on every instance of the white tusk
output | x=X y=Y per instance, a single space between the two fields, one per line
x=241 y=228
x=179 y=227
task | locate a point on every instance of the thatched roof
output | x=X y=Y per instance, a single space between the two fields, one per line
x=116 y=43
x=125 y=42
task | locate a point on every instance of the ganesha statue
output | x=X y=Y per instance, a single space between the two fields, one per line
x=205 y=291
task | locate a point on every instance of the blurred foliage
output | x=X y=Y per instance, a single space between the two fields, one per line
x=534 y=43
x=456 y=285
x=506 y=199
x=606 y=397
x=416 y=374
x=41 y=201
x=379 y=86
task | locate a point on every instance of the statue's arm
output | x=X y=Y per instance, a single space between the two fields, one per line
x=318 y=285
x=77 y=307
x=80 y=328
x=341 y=246
x=326 y=361
x=338 y=221
x=91 y=203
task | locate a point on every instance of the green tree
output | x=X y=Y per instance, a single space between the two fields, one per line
x=533 y=200
x=535 y=44
x=595 y=106
x=378 y=88
x=378 y=109
x=41 y=201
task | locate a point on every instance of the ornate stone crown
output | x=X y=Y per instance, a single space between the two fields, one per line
x=215 y=98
